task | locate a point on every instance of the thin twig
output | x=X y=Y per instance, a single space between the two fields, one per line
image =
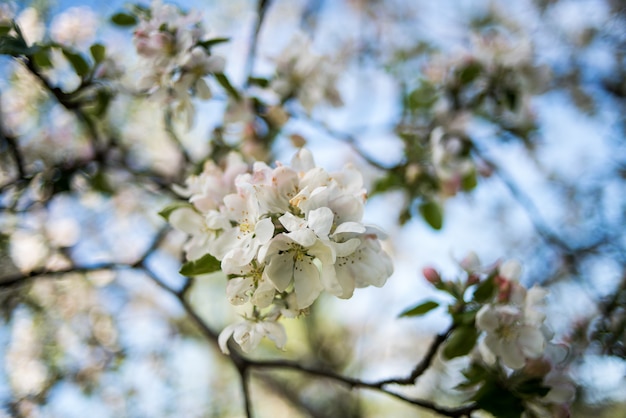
x=262 y=7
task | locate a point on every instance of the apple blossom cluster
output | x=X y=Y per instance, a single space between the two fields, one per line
x=500 y=325
x=174 y=58
x=513 y=322
x=283 y=235
x=305 y=74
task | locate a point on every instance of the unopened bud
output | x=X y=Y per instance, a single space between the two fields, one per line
x=431 y=275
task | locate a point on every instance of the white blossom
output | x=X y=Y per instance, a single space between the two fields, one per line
x=283 y=235
x=514 y=329
x=248 y=334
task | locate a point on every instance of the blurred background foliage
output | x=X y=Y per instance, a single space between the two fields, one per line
x=490 y=126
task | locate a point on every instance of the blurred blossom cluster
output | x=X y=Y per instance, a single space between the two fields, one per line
x=76 y=26
x=306 y=75
x=282 y=235
x=507 y=338
x=174 y=58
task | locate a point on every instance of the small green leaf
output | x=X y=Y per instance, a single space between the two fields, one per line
x=422 y=97
x=496 y=399
x=98 y=52
x=123 y=19
x=208 y=44
x=469 y=72
x=15 y=46
x=420 y=309
x=485 y=291
x=465 y=318
x=5 y=29
x=432 y=213
x=103 y=98
x=204 y=265
x=259 y=81
x=77 y=61
x=532 y=387
x=225 y=83
x=469 y=181
x=461 y=342
x=167 y=211
x=42 y=58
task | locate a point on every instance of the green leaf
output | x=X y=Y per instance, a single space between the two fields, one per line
x=474 y=374
x=98 y=52
x=123 y=19
x=77 y=61
x=485 y=291
x=498 y=400
x=208 y=44
x=167 y=211
x=432 y=213
x=225 y=83
x=533 y=387
x=5 y=29
x=42 y=58
x=422 y=97
x=465 y=318
x=420 y=309
x=103 y=98
x=259 y=81
x=15 y=46
x=204 y=265
x=461 y=342
x=469 y=181
x=470 y=72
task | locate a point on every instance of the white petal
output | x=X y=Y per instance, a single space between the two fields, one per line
x=280 y=271
x=510 y=270
x=264 y=294
x=511 y=355
x=275 y=332
x=355 y=227
x=307 y=283
x=487 y=319
x=187 y=220
x=531 y=341
x=237 y=290
x=264 y=230
x=320 y=221
x=291 y=222
x=303 y=160
x=222 y=339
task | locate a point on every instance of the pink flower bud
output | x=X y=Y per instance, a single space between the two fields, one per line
x=431 y=275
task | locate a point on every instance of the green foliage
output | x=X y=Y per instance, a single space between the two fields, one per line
x=496 y=399
x=98 y=52
x=78 y=62
x=423 y=97
x=123 y=19
x=42 y=58
x=460 y=342
x=432 y=212
x=225 y=83
x=469 y=72
x=485 y=290
x=421 y=309
x=204 y=265
x=210 y=43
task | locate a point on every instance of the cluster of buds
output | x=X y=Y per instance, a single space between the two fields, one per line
x=175 y=56
x=283 y=235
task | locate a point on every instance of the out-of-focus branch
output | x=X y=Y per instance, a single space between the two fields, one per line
x=262 y=7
